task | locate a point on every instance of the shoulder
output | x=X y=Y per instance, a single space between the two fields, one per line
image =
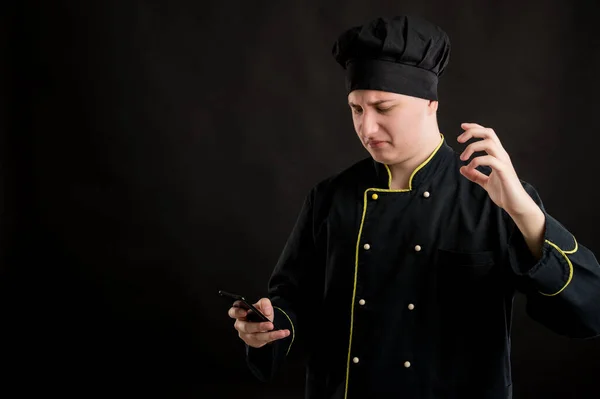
x=346 y=178
x=322 y=193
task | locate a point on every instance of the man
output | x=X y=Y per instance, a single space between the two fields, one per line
x=398 y=278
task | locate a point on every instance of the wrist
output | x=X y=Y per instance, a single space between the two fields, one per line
x=526 y=209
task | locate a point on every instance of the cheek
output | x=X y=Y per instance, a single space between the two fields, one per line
x=404 y=126
x=356 y=122
x=409 y=118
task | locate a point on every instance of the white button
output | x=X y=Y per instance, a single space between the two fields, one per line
x=361 y=302
x=411 y=306
x=406 y=364
x=417 y=248
x=426 y=194
x=367 y=247
x=355 y=360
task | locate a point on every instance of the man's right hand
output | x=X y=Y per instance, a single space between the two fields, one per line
x=255 y=334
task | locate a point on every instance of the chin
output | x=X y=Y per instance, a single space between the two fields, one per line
x=382 y=157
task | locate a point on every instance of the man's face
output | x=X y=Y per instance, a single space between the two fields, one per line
x=390 y=125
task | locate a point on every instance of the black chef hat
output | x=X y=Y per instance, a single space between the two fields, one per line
x=402 y=54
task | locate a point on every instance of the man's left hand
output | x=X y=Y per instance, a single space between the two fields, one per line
x=503 y=184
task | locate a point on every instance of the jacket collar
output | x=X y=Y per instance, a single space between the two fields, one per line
x=422 y=173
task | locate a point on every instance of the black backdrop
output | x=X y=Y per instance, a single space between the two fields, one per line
x=154 y=152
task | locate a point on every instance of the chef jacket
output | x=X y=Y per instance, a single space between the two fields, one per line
x=409 y=293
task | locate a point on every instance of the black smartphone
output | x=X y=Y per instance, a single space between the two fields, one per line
x=254 y=314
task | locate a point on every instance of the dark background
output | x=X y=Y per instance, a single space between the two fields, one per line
x=154 y=152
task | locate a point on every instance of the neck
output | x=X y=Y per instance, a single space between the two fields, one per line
x=402 y=171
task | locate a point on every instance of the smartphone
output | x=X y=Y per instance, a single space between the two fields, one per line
x=254 y=314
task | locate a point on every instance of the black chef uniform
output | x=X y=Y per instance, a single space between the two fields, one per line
x=409 y=293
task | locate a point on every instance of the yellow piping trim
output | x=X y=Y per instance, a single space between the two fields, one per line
x=564 y=253
x=416 y=170
x=362 y=221
x=293 y=331
x=573 y=250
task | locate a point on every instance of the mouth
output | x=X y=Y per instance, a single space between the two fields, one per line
x=375 y=143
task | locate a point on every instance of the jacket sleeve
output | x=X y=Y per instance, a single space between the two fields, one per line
x=292 y=289
x=563 y=287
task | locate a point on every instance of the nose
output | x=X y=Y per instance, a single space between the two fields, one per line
x=369 y=125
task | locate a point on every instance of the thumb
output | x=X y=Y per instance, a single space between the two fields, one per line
x=264 y=305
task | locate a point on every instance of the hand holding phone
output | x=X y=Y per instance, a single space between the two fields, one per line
x=239 y=301
x=254 y=333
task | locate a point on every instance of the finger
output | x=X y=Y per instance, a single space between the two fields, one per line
x=237 y=313
x=474 y=175
x=469 y=125
x=271 y=336
x=486 y=145
x=264 y=305
x=478 y=132
x=249 y=327
x=486 y=160
x=473 y=132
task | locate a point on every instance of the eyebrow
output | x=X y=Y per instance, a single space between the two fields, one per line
x=350 y=103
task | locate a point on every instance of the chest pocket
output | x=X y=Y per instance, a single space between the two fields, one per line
x=466 y=282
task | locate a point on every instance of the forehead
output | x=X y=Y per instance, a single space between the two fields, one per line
x=368 y=96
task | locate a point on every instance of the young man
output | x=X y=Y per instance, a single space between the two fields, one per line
x=399 y=276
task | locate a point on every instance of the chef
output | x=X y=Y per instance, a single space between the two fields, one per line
x=398 y=278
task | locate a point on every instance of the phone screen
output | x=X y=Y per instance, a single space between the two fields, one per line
x=253 y=315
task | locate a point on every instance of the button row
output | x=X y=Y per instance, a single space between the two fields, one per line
x=362 y=302
x=411 y=306
x=367 y=246
x=355 y=360
x=375 y=197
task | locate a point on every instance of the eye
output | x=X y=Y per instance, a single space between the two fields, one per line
x=383 y=110
x=356 y=111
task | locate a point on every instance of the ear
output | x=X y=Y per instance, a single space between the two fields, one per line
x=432 y=106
